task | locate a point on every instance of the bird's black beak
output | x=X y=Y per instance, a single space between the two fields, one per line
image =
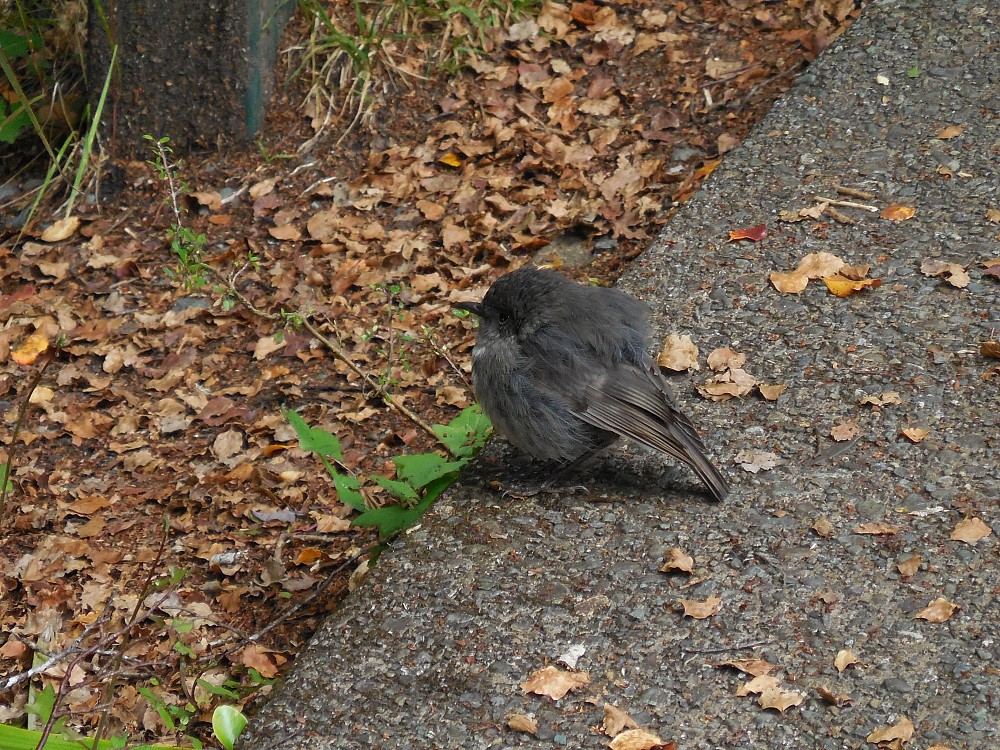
x=476 y=308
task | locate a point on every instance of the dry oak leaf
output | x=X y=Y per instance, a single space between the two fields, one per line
x=897 y=212
x=780 y=699
x=554 y=682
x=616 y=720
x=901 y=732
x=758 y=685
x=755 y=667
x=909 y=566
x=939 y=610
x=638 y=739
x=701 y=610
x=844 y=659
x=677 y=559
x=812 y=266
x=915 y=434
x=678 y=353
x=970 y=531
x=842 y=286
x=879 y=528
x=953 y=273
x=523 y=723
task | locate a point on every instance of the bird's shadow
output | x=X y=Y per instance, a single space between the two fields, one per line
x=613 y=475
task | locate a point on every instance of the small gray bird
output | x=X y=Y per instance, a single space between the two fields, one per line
x=562 y=371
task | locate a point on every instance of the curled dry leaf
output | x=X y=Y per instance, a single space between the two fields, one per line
x=727 y=385
x=953 y=273
x=754 y=234
x=842 y=286
x=616 y=720
x=915 y=434
x=909 y=566
x=701 y=610
x=61 y=230
x=523 y=723
x=755 y=667
x=554 y=682
x=812 y=266
x=677 y=560
x=939 y=610
x=823 y=527
x=678 y=353
x=638 y=739
x=990 y=349
x=834 y=699
x=879 y=528
x=897 y=212
x=30 y=348
x=725 y=358
x=902 y=732
x=844 y=659
x=780 y=699
x=970 y=531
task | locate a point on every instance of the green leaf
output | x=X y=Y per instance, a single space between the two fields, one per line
x=466 y=433
x=424 y=468
x=393 y=518
x=914 y=72
x=400 y=490
x=314 y=439
x=348 y=488
x=227 y=724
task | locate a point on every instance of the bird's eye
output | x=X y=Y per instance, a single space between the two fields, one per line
x=504 y=319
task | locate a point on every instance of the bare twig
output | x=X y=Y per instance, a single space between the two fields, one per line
x=849 y=204
x=855 y=193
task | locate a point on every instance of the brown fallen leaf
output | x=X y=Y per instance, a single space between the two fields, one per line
x=909 y=566
x=677 y=560
x=823 y=527
x=758 y=685
x=884 y=399
x=616 y=720
x=638 y=739
x=915 y=434
x=725 y=358
x=27 y=353
x=990 y=349
x=896 y=212
x=844 y=659
x=726 y=385
x=756 y=461
x=842 y=286
x=678 y=353
x=939 y=610
x=754 y=667
x=771 y=392
x=554 y=682
x=949 y=131
x=970 y=531
x=879 y=528
x=523 y=723
x=833 y=698
x=701 y=610
x=901 y=731
x=845 y=431
x=754 y=233
x=812 y=266
x=61 y=229
x=954 y=273
x=780 y=699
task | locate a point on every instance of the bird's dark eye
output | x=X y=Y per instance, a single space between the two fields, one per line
x=504 y=319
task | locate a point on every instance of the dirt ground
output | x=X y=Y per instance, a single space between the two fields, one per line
x=164 y=533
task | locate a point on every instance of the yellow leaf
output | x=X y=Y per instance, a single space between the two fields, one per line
x=451 y=159
x=30 y=348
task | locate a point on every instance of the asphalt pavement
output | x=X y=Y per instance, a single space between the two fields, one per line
x=865 y=510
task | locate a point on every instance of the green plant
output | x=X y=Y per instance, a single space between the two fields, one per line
x=420 y=479
x=227 y=725
x=187 y=245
